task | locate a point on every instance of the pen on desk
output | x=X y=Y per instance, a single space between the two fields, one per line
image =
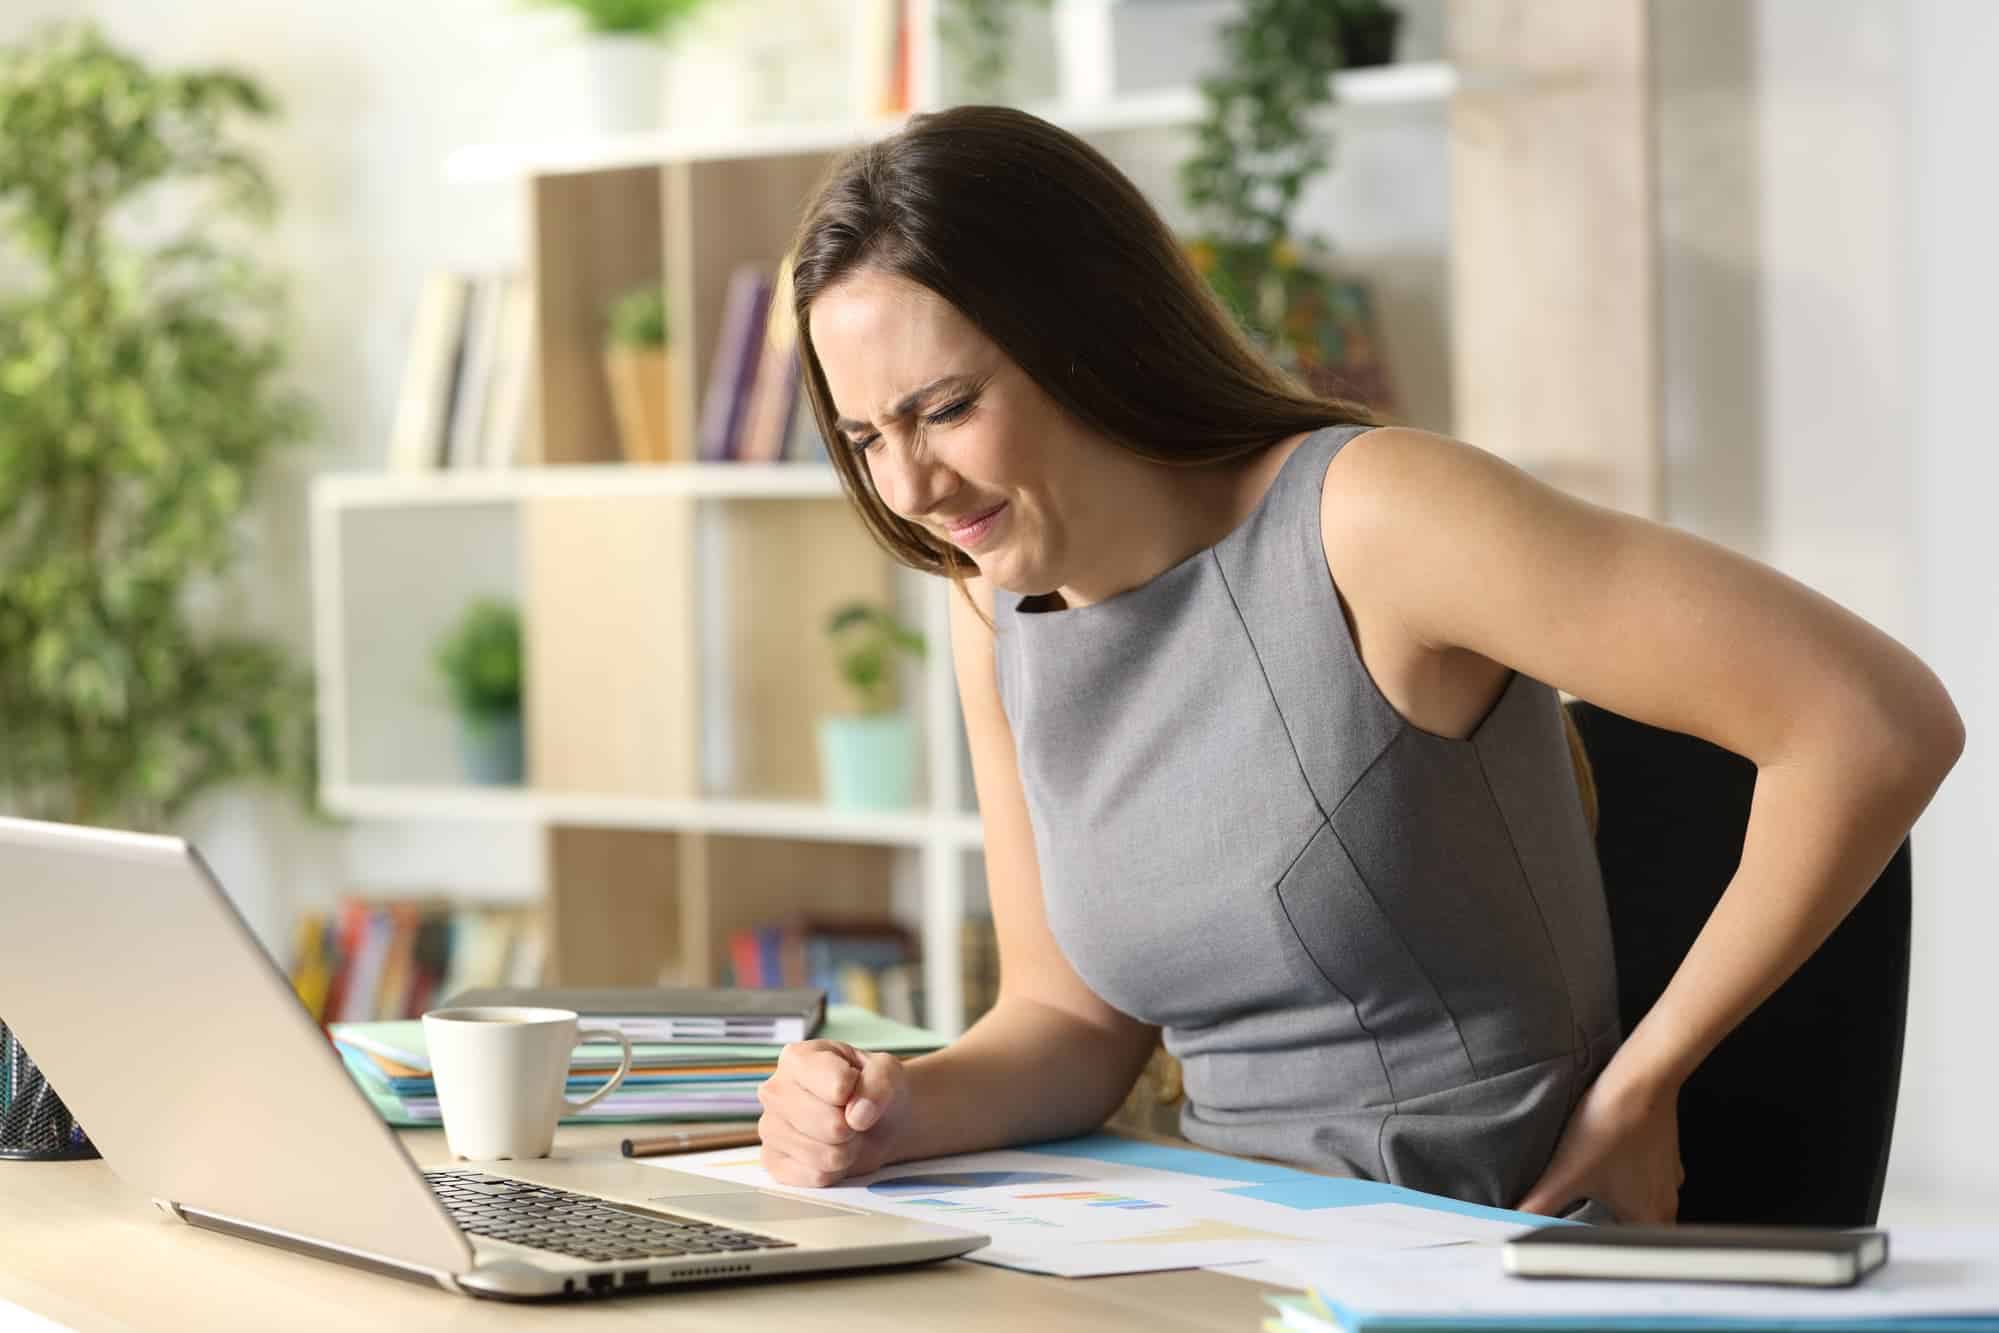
x=693 y=1140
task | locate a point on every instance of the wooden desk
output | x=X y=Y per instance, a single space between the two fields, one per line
x=80 y=1247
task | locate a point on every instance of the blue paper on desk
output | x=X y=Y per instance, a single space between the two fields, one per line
x=1268 y=1182
x=1944 y=1280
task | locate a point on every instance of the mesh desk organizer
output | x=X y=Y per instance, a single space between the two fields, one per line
x=34 y=1124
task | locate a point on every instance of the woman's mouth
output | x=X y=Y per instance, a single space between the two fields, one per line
x=972 y=532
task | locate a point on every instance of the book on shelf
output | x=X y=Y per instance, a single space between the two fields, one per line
x=867 y=961
x=475 y=371
x=734 y=364
x=506 y=435
x=430 y=372
x=802 y=441
x=882 y=58
x=371 y=959
x=773 y=388
x=468 y=376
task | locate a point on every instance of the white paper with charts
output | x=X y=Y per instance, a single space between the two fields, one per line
x=1076 y=1215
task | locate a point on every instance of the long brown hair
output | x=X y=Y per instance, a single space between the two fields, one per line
x=1054 y=255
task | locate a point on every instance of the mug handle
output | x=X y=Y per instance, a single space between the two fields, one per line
x=624 y=1064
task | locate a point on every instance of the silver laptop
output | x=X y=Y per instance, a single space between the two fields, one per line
x=185 y=1056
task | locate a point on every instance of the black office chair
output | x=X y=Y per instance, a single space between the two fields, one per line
x=1789 y=1120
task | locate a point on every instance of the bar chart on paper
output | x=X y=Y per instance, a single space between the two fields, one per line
x=1098 y=1205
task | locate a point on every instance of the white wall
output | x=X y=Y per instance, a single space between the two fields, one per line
x=1944 y=1149
x=1827 y=206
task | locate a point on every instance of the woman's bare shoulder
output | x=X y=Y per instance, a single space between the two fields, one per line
x=1388 y=486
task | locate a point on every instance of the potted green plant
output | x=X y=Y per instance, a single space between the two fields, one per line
x=480 y=659
x=624 y=54
x=638 y=368
x=868 y=757
x=978 y=36
x=142 y=391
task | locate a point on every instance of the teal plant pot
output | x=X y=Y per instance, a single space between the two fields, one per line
x=491 y=749
x=868 y=762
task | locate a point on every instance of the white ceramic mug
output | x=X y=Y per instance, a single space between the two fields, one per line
x=501 y=1072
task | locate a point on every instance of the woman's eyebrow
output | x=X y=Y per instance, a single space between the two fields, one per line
x=908 y=403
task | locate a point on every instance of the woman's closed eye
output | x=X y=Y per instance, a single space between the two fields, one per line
x=943 y=416
x=949 y=413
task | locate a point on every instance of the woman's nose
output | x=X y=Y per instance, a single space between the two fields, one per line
x=916 y=483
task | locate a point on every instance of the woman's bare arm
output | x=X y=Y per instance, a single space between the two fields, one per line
x=1442 y=546
x=1050 y=1058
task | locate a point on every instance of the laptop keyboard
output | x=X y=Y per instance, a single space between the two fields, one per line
x=579 y=1225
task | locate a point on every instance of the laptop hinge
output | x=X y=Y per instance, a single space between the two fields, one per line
x=319 y=1249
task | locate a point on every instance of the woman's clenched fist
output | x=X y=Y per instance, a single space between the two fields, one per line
x=830 y=1111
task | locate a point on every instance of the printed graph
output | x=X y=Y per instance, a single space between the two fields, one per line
x=944 y=1182
x=983 y=1214
x=1096 y=1199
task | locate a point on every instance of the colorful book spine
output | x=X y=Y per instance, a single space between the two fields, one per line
x=387 y=960
x=734 y=366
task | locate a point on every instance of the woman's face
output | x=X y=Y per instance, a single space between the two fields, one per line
x=956 y=437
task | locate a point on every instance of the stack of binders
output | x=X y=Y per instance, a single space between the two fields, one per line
x=677 y=1080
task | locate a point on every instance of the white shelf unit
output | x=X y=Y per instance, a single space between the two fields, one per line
x=1409 y=84
x=803 y=821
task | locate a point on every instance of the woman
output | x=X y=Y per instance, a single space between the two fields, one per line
x=1262 y=714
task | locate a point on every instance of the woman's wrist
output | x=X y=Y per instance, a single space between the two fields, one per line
x=904 y=1128
x=1647 y=1068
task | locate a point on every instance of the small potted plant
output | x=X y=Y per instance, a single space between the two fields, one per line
x=624 y=50
x=480 y=659
x=868 y=757
x=638 y=368
x=1366 y=30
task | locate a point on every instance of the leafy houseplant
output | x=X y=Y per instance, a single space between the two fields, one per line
x=638 y=369
x=140 y=394
x=480 y=658
x=630 y=18
x=869 y=757
x=1257 y=148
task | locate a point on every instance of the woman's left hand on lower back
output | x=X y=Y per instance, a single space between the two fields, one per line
x=1621 y=1147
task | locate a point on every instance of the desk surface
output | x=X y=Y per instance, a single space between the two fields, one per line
x=86 y=1250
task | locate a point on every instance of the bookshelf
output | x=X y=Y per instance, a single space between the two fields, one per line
x=674 y=657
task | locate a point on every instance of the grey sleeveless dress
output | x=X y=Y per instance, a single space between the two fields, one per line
x=1376 y=951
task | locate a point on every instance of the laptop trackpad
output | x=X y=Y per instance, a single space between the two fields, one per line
x=750 y=1206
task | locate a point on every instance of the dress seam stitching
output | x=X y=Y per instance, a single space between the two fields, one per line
x=1540 y=913
x=1325 y=824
